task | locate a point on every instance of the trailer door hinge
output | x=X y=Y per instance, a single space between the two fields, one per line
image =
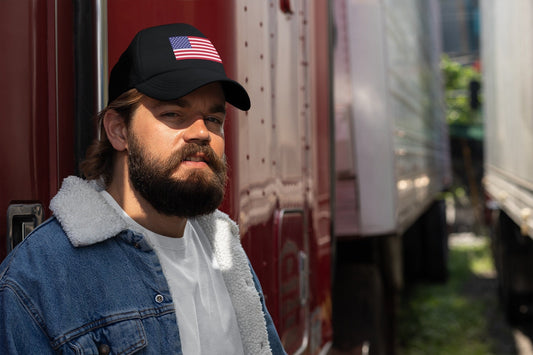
x=22 y=219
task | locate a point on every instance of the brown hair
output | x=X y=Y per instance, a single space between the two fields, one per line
x=99 y=158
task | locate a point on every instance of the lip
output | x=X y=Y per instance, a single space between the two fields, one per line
x=194 y=164
x=196 y=158
x=196 y=161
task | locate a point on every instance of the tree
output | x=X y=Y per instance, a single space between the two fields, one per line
x=462 y=94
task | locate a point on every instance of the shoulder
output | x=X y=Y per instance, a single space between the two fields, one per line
x=47 y=255
x=34 y=252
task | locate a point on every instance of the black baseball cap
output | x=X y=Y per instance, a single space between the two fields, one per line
x=170 y=61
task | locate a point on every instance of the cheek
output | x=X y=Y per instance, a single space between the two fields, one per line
x=218 y=146
x=163 y=142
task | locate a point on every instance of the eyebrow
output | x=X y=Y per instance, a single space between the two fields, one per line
x=216 y=108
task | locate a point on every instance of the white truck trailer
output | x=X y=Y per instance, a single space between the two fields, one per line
x=392 y=162
x=507 y=61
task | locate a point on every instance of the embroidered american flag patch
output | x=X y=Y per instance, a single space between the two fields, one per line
x=189 y=47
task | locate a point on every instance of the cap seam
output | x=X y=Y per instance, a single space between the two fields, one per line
x=138 y=55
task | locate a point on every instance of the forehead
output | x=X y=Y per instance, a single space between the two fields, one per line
x=209 y=95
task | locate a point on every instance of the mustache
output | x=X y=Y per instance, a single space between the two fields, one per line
x=216 y=163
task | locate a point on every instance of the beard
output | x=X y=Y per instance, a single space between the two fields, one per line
x=199 y=193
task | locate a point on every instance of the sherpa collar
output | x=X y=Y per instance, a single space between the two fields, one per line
x=84 y=214
x=88 y=219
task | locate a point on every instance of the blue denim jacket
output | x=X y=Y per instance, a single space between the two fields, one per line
x=69 y=289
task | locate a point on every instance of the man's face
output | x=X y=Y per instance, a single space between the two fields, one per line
x=176 y=152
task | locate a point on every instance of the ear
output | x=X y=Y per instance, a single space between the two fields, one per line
x=116 y=130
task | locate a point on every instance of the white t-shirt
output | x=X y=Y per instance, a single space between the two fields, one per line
x=205 y=314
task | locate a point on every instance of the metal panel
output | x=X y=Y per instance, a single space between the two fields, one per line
x=36 y=99
x=392 y=150
x=508 y=86
x=415 y=92
x=366 y=98
x=294 y=280
x=283 y=149
x=507 y=53
x=22 y=219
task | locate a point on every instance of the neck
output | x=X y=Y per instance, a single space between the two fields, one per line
x=140 y=210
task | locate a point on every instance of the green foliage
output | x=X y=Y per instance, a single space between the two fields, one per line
x=442 y=318
x=457 y=78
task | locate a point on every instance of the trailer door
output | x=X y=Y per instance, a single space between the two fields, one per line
x=36 y=118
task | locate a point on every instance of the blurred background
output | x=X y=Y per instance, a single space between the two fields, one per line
x=485 y=306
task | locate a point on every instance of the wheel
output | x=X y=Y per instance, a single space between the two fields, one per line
x=361 y=317
x=513 y=254
x=425 y=246
x=435 y=243
x=358 y=318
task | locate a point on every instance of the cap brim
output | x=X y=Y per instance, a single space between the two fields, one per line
x=173 y=85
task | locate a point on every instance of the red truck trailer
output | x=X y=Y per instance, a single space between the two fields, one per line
x=316 y=206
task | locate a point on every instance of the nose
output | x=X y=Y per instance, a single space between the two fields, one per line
x=197 y=132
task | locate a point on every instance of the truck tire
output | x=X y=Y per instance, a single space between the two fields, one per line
x=362 y=315
x=359 y=310
x=513 y=255
x=435 y=242
x=425 y=246
x=413 y=252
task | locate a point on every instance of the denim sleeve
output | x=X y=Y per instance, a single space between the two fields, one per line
x=19 y=332
x=273 y=337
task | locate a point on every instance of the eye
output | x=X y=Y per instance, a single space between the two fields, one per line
x=214 y=119
x=170 y=114
x=214 y=123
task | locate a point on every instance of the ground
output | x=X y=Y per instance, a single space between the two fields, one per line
x=505 y=338
x=470 y=230
x=461 y=316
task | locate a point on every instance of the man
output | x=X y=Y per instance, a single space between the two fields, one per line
x=137 y=258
